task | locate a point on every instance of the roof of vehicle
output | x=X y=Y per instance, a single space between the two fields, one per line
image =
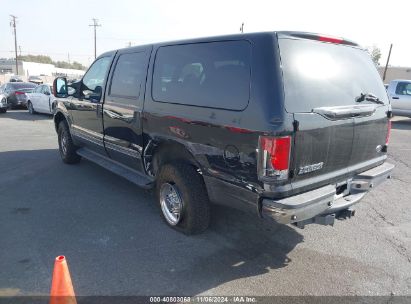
x=20 y=83
x=402 y=80
x=281 y=34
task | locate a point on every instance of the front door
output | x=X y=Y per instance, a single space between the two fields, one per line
x=86 y=104
x=123 y=105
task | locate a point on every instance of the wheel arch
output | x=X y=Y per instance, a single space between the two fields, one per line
x=59 y=117
x=159 y=152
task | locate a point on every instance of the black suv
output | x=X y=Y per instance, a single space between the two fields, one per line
x=292 y=126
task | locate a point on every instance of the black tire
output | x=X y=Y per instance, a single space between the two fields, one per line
x=195 y=215
x=66 y=146
x=3 y=110
x=30 y=108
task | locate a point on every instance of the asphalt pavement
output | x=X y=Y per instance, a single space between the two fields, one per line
x=117 y=244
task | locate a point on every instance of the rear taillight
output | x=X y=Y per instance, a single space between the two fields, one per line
x=275 y=156
x=19 y=93
x=387 y=138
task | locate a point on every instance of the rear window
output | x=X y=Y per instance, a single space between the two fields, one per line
x=22 y=85
x=318 y=74
x=215 y=74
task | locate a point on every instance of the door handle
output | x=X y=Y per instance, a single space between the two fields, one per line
x=112 y=114
x=395 y=98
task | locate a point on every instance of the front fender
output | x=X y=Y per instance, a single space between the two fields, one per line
x=61 y=113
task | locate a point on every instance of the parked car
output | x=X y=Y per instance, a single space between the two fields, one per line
x=399 y=92
x=35 y=79
x=15 y=93
x=15 y=78
x=298 y=140
x=41 y=100
x=3 y=99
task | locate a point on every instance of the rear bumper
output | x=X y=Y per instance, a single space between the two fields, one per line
x=325 y=200
x=17 y=103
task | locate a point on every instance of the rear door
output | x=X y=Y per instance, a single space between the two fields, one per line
x=123 y=106
x=322 y=83
x=34 y=97
x=43 y=99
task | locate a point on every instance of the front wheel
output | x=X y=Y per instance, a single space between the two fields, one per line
x=3 y=110
x=183 y=198
x=66 y=146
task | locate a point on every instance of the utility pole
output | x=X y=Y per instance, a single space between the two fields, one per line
x=68 y=57
x=386 y=65
x=13 y=25
x=20 y=50
x=242 y=28
x=95 y=25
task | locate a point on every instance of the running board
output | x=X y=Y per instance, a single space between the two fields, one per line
x=132 y=175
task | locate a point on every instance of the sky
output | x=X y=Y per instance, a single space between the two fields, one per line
x=61 y=29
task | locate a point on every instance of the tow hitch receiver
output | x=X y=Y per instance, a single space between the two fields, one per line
x=327 y=219
x=345 y=214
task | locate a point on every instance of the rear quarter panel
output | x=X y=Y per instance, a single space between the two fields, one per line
x=224 y=142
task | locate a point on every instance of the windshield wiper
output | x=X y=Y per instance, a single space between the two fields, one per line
x=369 y=97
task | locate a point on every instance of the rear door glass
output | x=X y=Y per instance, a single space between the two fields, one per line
x=214 y=74
x=319 y=74
x=129 y=73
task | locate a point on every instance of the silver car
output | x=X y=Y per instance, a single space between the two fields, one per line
x=399 y=92
x=3 y=99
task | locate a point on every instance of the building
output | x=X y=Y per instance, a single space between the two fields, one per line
x=395 y=73
x=27 y=69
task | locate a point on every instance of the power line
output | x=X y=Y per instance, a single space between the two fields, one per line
x=95 y=25
x=13 y=25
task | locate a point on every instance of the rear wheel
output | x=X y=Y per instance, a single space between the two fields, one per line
x=66 y=146
x=4 y=110
x=183 y=198
x=30 y=107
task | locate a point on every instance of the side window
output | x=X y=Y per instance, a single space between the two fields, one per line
x=128 y=76
x=45 y=90
x=214 y=74
x=403 y=88
x=2 y=88
x=38 y=89
x=93 y=80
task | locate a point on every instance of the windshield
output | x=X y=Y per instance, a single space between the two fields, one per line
x=318 y=74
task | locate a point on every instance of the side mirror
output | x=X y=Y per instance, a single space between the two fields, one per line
x=60 y=88
x=46 y=93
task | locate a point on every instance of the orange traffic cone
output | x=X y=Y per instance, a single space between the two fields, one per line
x=62 y=291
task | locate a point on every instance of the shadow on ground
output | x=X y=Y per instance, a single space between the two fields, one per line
x=113 y=236
x=401 y=124
x=25 y=115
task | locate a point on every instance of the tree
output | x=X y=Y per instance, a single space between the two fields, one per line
x=46 y=59
x=375 y=54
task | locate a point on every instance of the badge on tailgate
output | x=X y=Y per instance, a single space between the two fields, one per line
x=310 y=168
